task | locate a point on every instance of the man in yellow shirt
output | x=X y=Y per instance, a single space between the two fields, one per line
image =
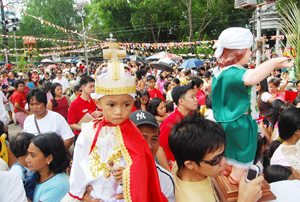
x=198 y=146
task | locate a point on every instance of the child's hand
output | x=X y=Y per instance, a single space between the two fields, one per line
x=97 y=114
x=118 y=173
x=282 y=63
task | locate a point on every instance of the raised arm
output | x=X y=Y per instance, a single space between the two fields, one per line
x=263 y=70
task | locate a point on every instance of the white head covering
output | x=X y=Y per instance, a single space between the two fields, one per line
x=233 y=38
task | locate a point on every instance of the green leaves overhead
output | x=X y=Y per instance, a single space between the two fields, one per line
x=290 y=27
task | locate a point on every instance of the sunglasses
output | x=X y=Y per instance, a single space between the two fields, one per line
x=58 y=72
x=214 y=162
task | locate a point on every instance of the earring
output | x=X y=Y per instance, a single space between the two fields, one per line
x=191 y=167
x=48 y=163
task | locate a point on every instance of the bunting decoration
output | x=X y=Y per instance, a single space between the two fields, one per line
x=40 y=39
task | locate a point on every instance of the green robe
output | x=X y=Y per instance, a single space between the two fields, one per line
x=230 y=101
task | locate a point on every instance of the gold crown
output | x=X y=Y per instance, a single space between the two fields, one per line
x=115 y=81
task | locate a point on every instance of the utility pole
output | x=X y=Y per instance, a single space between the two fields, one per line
x=5 y=42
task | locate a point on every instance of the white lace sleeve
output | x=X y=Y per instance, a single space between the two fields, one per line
x=246 y=77
x=253 y=104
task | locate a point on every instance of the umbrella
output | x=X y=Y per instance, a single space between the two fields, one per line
x=70 y=61
x=166 y=60
x=46 y=61
x=162 y=66
x=156 y=56
x=191 y=63
x=52 y=66
x=135 y=58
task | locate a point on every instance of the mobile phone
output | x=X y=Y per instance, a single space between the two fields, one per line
x=252 y=173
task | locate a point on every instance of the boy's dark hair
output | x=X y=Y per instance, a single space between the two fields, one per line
x=207 y=74
x=17 y=82
x=19 y=144
x=169 y=106
x=187 y=72
x=39 y=94
x=41 y=82
x=52 y=77
x=85 y=80
x=176 y=80
x=208 y=101
x=150 y=77
x=76 y=88
x=194 y=137
x=275 y=173
x=197 y=81
x=166 y=85
x=47 y=86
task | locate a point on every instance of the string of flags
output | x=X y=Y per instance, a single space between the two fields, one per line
x=58 y=27
x=80 y=50
x=40 y=39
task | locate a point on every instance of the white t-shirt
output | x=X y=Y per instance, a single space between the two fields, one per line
x=166 y=183
x=11 y=187
x=52 y=122
x=286 y=190
x=266 y=96
x=3 y=165
x=64 y=83
x=2 y=108
x=279 y=159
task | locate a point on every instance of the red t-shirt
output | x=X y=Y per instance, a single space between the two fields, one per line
x=8 y=66
x=290 y=95
x=78 y=108
x=26 y=89
x=81 y=67
x=18 y=97
x=201 y=97
x=155 y=93
x=165 y=130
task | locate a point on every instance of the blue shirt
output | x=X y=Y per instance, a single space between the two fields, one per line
x=53 y=189
x=30 y=85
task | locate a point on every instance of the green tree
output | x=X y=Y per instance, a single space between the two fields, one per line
x=155 y=18
x=111 y=16
x=57 y=12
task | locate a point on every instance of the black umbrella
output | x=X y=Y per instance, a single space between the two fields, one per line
x=162 y=66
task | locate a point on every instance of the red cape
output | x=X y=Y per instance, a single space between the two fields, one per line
x=144 y=182
x=140 y=178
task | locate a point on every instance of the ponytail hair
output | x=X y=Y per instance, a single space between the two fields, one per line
x=52 y=90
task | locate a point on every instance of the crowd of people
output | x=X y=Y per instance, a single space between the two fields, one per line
x=87 y=138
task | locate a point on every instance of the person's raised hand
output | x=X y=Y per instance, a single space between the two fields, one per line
x=251 y=191
x=283 y=63
x=87 y=197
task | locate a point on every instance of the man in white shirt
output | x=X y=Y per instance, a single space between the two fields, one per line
x=59 y=79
